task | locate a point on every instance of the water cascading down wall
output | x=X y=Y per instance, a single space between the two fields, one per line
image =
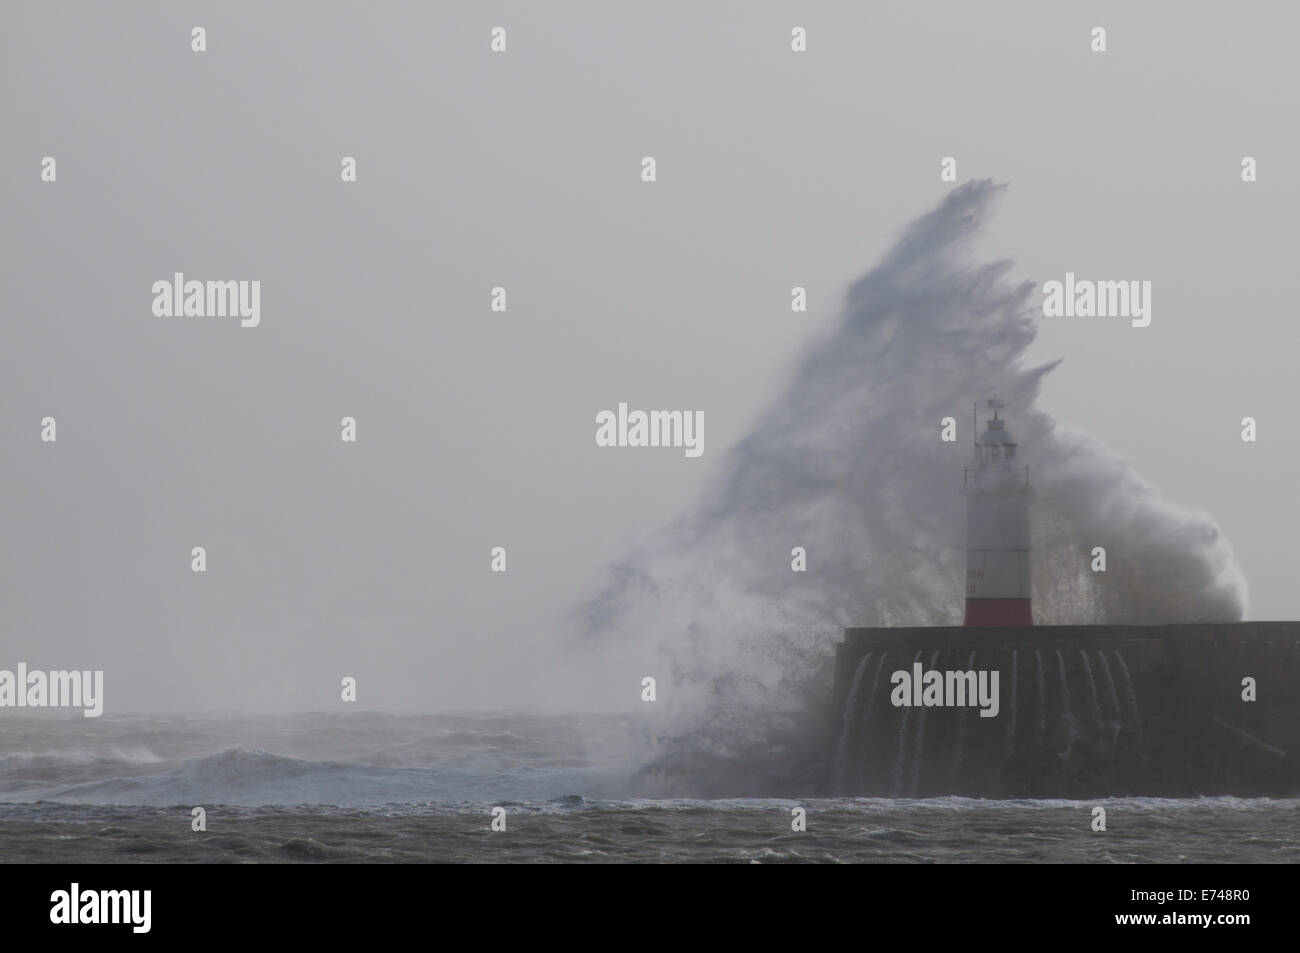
x=1083 y=711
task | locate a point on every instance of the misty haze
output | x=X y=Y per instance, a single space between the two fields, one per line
x=355 y=380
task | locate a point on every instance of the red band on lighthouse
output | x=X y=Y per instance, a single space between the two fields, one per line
x=986 y=612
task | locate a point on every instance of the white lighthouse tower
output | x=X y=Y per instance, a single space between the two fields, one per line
x=997 y=530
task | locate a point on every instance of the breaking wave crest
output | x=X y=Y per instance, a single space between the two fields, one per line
x=847 y=464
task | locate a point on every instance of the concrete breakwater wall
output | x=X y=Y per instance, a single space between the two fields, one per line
x=1081 y=711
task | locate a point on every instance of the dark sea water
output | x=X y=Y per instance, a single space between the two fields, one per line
x=369 y=787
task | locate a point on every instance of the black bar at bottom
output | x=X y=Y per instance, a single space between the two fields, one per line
x=332 y=903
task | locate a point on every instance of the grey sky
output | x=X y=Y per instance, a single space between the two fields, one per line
x=521 y=169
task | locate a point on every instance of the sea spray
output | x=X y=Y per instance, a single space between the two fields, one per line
x=846 y=463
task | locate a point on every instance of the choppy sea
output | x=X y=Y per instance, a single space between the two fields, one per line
x=370 y=787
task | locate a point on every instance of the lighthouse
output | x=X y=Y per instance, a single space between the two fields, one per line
x=997 y=495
